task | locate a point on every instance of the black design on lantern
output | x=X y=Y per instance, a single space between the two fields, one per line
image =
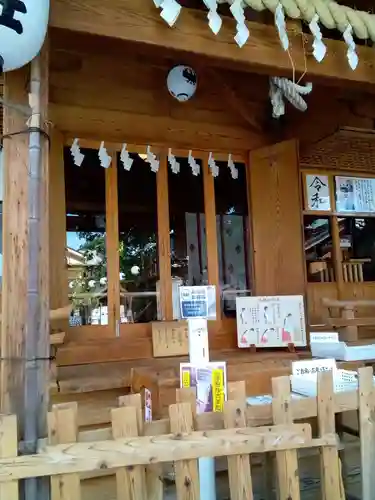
x=9 y=8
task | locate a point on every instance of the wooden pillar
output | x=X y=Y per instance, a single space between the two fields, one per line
x=57 y=225
x=25 y=288
x=211 y=233
x=15 y=246
x=164 y=240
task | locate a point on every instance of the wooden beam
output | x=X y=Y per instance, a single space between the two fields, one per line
x=139 y=21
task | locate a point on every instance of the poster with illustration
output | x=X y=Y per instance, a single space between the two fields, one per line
x=210 y=381
x=270 y=321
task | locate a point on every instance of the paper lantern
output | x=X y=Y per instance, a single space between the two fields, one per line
x=182 y=83
x=23 y=28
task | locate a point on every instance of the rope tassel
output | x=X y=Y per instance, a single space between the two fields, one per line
x=282 y=88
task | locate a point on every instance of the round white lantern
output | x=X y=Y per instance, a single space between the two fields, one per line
x=135 y=270
x=23 y=28
x=182 y=82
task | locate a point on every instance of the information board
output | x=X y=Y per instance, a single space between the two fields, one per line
x=271 y=321
x=198 y=302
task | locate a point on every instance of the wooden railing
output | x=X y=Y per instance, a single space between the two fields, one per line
x=135 y=451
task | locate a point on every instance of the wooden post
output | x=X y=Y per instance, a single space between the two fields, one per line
x=57 y=227
x=15 y=248
x=367 y=431
x=25 y=299
x=211 y=233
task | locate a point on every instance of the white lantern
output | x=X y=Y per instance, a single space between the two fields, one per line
x=182 y=82
x=23 y=28
x=135 y=270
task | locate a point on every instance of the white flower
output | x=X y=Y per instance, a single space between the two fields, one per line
x=92 y=283
x=103 y=281
x=122 y=276
x=135 y=270
x=71 y=284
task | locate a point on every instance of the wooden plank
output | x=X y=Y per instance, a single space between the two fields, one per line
x=164 y=241
x=331 y=481
x=8 y=449
x=287 y=461
x=277 y=224
x=63 y=428
x=154 y=473
x=170 y=338
x=211 y=232
x=139 y=20
x=131 y=481
x=112 y=242
x=239 y=471
x=188 y=395
x=179 y=446
x=187 y=475
x=367 y=431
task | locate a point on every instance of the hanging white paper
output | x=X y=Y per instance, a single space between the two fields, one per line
x=212 y=165
x=214 y=20
x=170 y=10
x=152 y=160
x=195 y=168
x=281 y=26
x=175 y=166
x=105 y=159
x=351 y=53
x=75 y=150
x=319 y=48
x=232 y=167
x=238 y=13
x=125 y=158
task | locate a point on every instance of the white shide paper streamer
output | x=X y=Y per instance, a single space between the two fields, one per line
x=281 y=26
x=175 y=166
x=319 y=48
x=105 y=159
x=351 y=53
x=125 y=158
x=77 y=156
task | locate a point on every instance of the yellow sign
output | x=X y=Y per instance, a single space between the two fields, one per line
x=186 y=378
x=218 y=390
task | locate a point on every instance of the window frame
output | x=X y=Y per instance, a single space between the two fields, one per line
x=115 y=327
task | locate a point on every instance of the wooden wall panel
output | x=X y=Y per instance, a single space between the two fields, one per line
x=99 y=94
x=276 y=220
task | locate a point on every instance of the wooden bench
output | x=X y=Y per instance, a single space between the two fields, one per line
x=346 y=321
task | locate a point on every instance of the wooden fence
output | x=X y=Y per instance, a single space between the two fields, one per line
x=135 y=451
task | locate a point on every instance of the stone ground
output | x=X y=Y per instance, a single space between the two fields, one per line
x=309 y=468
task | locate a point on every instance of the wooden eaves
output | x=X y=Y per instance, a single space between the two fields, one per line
x=139 y=21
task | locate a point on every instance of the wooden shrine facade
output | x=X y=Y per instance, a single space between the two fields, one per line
x=177 y=225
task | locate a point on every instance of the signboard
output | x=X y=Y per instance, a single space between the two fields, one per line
x=170 y=338
x=324 y=337
x=311 y=367
x=317 y=193
x=270 y=321
x=355 y=194
x=210 y=381
x=198 y=302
